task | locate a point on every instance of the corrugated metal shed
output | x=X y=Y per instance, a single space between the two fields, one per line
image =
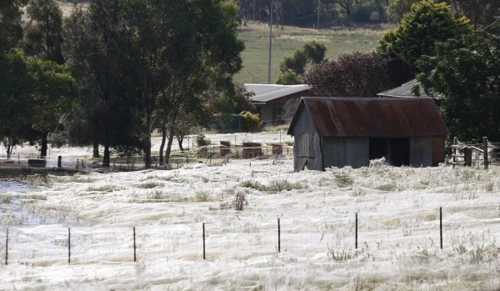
x=269 y=92
x=373 y=117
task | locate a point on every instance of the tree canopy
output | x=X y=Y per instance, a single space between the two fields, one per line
x=425 y=25
x=292 y=67
x=149 y=62
x=351 y=75
x=465 y=73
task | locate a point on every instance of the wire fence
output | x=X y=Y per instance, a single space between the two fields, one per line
x=212 y=154
x=343 y=235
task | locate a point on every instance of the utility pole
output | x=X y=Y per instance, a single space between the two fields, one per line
x=319 y=8
x=270 y=44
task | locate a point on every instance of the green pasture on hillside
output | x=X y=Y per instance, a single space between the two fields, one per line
x=287 y=40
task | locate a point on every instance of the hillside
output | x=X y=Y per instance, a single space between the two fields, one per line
x=287 y=40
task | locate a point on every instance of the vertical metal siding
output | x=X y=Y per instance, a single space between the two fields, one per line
x=341 y=152
x=315 y=163
x=421 y=152
x=306 y=143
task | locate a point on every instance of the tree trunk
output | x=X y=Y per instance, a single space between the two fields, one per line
x=43 y=151
x=106 y=158
x=9 y=148
x=171 y=135
x=147 y=143
x=95 y=153
x=169 y=145
x=180 y=139
x=162 y=146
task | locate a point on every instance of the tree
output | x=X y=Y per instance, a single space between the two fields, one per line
x=99 y=44
x=43 y=34
x=53 y=92
x=296 y=63
x=426 y=24
x=465 y=73
x=315 y=51
x=11 y=31
x=16 y=102
x=292 y=67
x=352 y=75
x=175 y=60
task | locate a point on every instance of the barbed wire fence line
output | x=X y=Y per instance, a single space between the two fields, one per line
x=340 y=238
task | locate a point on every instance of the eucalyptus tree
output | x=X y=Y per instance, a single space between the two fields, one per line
x=99 y=43
x=16 y=100
x=178 y=48
x=53 y=92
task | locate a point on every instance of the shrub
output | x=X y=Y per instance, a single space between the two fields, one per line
x=343 y=180
x=201 y=140
x=251 y=122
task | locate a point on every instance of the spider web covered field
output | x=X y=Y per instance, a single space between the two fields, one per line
x=398 y=210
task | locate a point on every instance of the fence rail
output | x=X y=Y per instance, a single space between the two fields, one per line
x=211 y=155
x=467 y=154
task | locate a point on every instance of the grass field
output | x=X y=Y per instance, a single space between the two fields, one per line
x=287 y=40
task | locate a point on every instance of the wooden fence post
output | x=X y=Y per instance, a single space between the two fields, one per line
x=485 y=149
x=135 y=253
x=279 y=235
x=59 y=162
x=454 y=151
x=356 y=231
x=69 y=245
x=204 y=257
x=468 y=156
x=441 y=226
x=7 y=247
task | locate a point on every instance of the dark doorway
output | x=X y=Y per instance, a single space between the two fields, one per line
x=377 y=148
x=400 y=152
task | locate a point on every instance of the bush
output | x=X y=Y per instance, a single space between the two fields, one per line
x=289 y=77
x=201 y=140
x=251 y=122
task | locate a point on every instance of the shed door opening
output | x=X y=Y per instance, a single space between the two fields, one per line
x=377 y=148
x=400 y=152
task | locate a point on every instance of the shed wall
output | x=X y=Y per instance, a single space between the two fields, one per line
x=266 y=113
x=421 y=152
x=307 y=144
x=346 y=151
x=438 y=154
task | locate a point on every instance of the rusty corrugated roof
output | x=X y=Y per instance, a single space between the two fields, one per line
x=373 y=117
